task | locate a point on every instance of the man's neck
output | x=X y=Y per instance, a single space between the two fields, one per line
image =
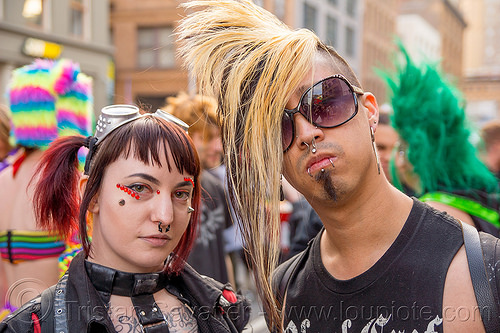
x=360 y=231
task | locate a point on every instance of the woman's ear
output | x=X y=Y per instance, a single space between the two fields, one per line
x=93 y=205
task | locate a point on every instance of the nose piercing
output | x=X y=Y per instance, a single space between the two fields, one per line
x=190 y=210
x=313 y=143
x=306 y=144
x=121 y=202
x=167 y=229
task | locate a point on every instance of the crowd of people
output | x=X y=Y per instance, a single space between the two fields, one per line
x=153 y=221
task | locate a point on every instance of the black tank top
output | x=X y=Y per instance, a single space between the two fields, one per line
x=402 y=292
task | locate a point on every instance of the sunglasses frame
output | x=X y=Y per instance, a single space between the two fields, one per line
x=290 y=113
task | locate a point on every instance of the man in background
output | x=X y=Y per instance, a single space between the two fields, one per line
x=208 y=256
x=490 y=133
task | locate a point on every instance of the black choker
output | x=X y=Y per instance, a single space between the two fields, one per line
x=139 y=287
x=112 y=281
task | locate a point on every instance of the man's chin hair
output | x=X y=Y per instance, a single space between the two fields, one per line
x=325 y=179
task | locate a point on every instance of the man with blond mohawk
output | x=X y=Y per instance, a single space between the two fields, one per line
x=383 y=261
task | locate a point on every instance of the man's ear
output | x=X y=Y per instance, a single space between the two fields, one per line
x=370 y=103
x=82 y=184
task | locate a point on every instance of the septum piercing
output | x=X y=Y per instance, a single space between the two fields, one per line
x=167 y=229
x=313 y=143
x=313 y=150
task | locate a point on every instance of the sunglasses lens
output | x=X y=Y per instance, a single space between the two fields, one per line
x=329 y=103
x=286 y=131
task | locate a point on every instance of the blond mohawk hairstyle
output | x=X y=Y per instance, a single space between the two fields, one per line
x=250 y=62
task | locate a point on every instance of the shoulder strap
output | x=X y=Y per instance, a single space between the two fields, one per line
x=482 y=289
x=289 y=272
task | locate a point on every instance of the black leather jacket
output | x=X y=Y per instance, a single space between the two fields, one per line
x=84 y=311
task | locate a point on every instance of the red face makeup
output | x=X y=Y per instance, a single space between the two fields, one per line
x=189 y=180
x=130 y=192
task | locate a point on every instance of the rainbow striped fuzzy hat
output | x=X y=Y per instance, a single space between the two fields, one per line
x=49 y=99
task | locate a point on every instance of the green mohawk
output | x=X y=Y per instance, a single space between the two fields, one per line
x=429 y=116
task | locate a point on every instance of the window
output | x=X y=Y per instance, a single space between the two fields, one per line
x=77 y=17
x=331 y=31
x=155 y=47
x=33 y=12
x=309 y=17
x=351 y=8
x=349 y=41
x=279 y=9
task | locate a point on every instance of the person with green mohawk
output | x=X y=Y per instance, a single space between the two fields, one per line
x=430 y=118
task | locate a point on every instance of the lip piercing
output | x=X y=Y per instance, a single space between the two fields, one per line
x=190 y=210
x=322 y=170
x=121 y=202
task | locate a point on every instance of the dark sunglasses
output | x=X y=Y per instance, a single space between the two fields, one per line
x=329 y=103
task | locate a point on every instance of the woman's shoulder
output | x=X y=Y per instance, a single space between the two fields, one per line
x=24 y=319
x=207 y=291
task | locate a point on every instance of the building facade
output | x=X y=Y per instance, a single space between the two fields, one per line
x=482 y=59
x=147 y=70
x=146 y=66
x=445 y=16
x=378 y=37
x=73 y=29
x=337 y=23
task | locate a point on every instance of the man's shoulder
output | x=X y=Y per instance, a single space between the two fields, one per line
x=284 y=272
x=432 y=214
x=289 y=263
